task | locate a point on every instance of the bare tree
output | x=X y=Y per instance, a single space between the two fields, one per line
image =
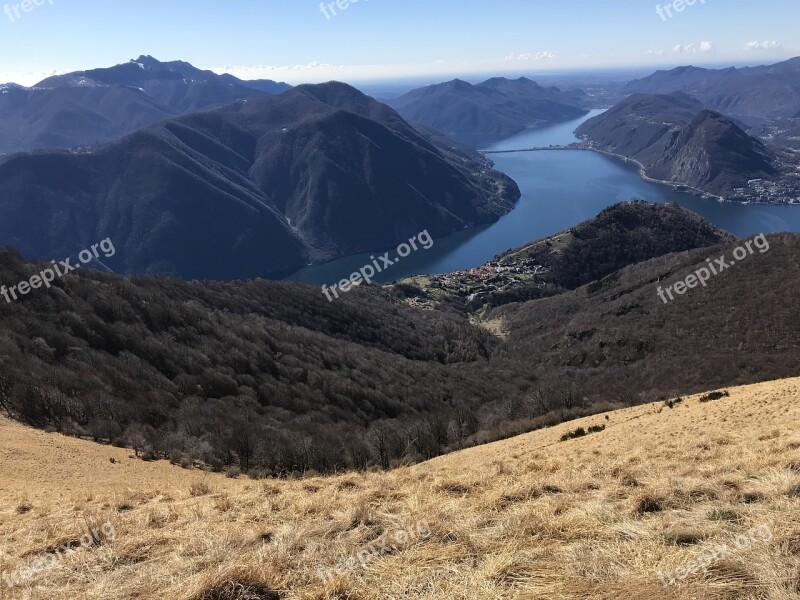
x=5 y=391
x=134 y=437
x=380 y=441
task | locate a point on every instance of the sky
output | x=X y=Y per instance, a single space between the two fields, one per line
x=296 y=41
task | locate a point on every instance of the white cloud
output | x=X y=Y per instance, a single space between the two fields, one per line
x=250 y=72
x=527 y=56
x=317 y=71
x=655 y=53
x=27 y=77
x=765 y=45
x=694 y=48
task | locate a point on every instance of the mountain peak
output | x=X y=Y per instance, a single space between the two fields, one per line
x=147 y=62
x=455 y=84
x=707 y=114
x=334 y=93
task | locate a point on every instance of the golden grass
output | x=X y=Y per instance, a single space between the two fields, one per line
x=531 y=517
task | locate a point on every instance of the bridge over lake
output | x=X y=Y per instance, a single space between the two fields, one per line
x=572 y=146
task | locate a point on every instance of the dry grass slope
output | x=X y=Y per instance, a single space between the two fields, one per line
x=595 y=517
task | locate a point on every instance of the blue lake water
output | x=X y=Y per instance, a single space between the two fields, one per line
x=559 y=189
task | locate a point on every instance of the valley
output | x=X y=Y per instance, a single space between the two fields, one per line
x=156 y=364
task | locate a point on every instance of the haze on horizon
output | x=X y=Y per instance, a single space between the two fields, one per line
x=300 y=42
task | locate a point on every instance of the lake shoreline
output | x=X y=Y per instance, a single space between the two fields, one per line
x=559 y=190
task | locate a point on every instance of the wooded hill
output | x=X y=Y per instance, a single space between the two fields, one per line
x=271 y=378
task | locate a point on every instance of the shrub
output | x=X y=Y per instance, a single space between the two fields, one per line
x=581 y=432
x=714 y=396
x=199 y=488
x=215 y=463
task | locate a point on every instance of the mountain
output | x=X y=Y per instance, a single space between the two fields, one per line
x=677 y=140
x=617 y=335
x=272 y=377
x=496 y=107
x=769 y=91
x=621 y=235
x=176 y=84
x=255 y=188
x=88 y=107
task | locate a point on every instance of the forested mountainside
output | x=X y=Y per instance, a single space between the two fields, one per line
x=271 y=377
x=257 y=188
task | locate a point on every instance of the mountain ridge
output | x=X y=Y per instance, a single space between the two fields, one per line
x=498 y=106
x=677 y=139
x=766 y=91
x=85 y=108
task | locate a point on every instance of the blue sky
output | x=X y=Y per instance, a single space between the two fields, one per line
x=292 y=40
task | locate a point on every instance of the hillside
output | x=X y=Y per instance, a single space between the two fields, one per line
x=270 y=377
x=496 y=107
x=780 y=132
x=623 y=234
x=85 y=108
x=600 y=517
x=676 y=140
x=617 y=334
x=770 y=91
x=257 y=188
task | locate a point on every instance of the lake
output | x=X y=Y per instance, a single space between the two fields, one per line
x=560 y=189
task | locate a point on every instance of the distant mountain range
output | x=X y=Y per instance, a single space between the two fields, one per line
x=496 y=107
x=254 y=188
x=677 y=139
x=89 y=107
x=769 y=91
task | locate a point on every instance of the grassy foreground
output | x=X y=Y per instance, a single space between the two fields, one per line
x=600 y=516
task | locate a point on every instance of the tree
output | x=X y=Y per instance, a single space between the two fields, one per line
x=134 y=437
x=380 y=439
x=5 y=398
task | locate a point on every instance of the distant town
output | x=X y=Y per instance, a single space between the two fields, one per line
x=511 y=273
